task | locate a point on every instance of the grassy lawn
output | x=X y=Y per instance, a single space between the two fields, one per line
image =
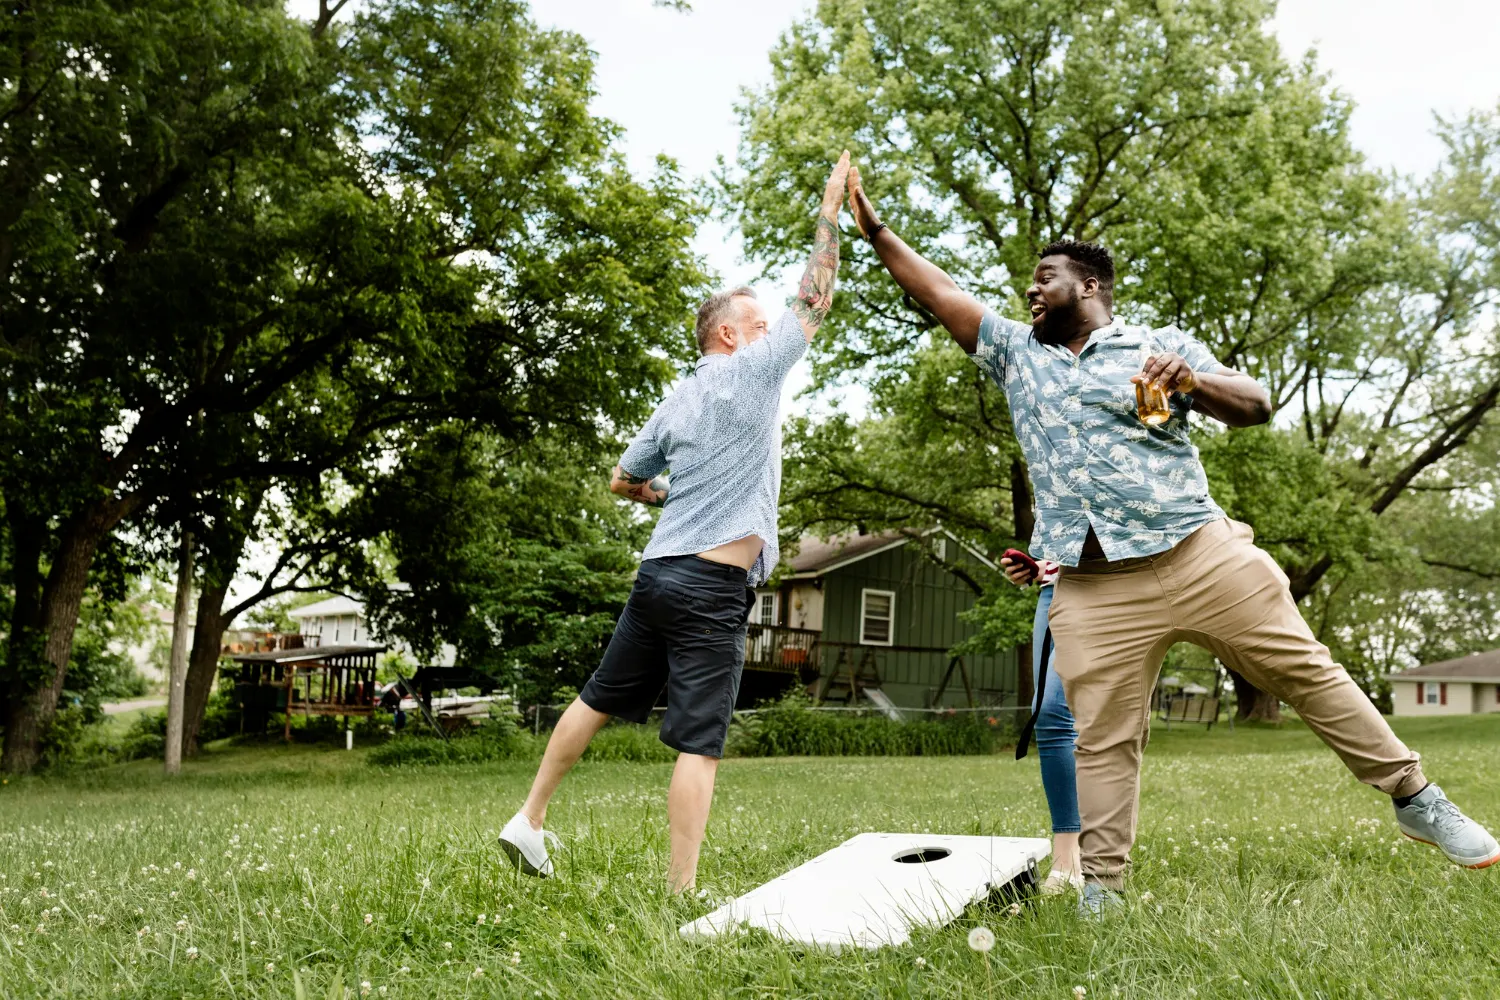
x=1263 y=869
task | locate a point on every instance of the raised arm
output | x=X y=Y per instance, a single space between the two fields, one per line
x=651 y=491
x=924 y=281
x=815 y=290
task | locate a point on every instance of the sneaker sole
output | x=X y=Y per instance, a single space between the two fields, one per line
x=519 y=859
x=1475 y=867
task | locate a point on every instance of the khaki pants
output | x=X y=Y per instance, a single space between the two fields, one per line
x=1113 y=622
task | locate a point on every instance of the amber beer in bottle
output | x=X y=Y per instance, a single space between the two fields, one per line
x=1151 y=399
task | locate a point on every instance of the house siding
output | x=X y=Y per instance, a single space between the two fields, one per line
x=1460 y=700
x=928 y=600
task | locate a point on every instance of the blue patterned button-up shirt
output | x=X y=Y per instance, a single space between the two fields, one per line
x=720 y=434
x=1092 y=461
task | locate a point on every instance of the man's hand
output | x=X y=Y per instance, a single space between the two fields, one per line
x=1169 y=371
x=650 y=491
x=860 y=205
x=833 y=191
x=1017 y=572
x=815 y=291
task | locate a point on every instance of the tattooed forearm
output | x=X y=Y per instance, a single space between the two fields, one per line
x=649 y=490
x=815 y=292
x=655 y=492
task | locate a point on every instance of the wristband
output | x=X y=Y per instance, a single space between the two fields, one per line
x=878 y=227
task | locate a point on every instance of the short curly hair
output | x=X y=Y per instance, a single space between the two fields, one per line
x=1090 y=260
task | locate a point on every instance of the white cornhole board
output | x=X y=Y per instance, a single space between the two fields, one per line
x=859 y=894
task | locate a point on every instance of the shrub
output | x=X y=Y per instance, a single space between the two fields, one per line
x=630 y=743
x=790 y=727
x=498 y=739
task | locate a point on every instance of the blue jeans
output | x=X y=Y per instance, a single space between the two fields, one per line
x=1055 y=735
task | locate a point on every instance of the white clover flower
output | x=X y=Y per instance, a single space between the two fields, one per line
x=369 y=919
x=920 y=962
x=364 y=988
x=481 y=920
x=981 y=939
x=1147 y=897
x=404 y=969
x=182 y=925
x=609 y=928
x=270 y=966
x=192 y=952
x=477 y=973
x=447 y=945
x=1080 y=992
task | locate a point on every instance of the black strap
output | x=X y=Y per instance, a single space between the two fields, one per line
x=1024 y=741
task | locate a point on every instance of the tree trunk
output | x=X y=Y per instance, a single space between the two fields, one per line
x=177 y=672
x=1252 y=704
x=203 y=663
x=32 y=705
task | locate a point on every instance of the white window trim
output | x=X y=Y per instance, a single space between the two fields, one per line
x=864 y=600
x=761 y=595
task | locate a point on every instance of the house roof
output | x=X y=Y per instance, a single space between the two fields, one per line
x=816 y=556
x=339 y=605
x=1474 y=667
x=306 y=654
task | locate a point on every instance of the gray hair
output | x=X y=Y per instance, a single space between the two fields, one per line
x=715 y=311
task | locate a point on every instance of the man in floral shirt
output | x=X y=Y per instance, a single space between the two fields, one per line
x=1148 y=559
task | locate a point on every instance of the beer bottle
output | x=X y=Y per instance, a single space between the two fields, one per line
x=1150 y=398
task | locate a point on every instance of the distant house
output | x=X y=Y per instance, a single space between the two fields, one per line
x=336 y=621
x=879 y=613
x=1469 y=685
x=341 y=621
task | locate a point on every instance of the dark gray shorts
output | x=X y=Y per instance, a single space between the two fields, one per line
x=683 y=629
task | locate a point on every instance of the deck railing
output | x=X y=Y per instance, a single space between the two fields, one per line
x=781 y=649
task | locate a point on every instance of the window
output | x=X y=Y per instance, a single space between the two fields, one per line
x=355 y=636
x=1432 y=694
x=338 y=627
x=940 y=549
x=876 y=617
x=765 y=609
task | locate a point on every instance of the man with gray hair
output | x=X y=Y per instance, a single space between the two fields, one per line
x=683 y=628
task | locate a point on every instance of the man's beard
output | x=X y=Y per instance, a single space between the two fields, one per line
x=1059 y=323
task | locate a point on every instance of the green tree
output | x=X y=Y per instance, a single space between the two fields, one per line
x=516 y=554
x=1222 y=177
x=302 y=244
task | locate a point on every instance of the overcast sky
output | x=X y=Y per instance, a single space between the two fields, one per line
x=672 y=79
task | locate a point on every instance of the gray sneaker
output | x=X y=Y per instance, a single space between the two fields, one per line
x=1432 y=819
x=1094 y=900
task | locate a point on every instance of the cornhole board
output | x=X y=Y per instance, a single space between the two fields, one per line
x=873 y=889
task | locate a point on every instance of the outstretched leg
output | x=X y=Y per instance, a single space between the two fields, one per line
x=569 y=740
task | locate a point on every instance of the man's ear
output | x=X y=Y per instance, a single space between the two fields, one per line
x=1090 y=287
x=728 y=337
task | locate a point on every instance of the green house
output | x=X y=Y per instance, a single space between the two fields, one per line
x=873 y=617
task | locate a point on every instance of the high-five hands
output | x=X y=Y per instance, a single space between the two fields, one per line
x=859 y=204
x=833 y=193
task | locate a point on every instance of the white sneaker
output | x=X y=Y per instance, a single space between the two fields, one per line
x=527 y=847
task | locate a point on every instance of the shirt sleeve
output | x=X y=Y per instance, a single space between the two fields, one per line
x=992 y=348
x=1193 y=350
x=644 y=458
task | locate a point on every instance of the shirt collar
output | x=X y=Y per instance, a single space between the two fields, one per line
x=707 y=358
x=1114 y=328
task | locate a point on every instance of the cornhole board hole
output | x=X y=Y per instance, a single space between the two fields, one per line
x=873 y=889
